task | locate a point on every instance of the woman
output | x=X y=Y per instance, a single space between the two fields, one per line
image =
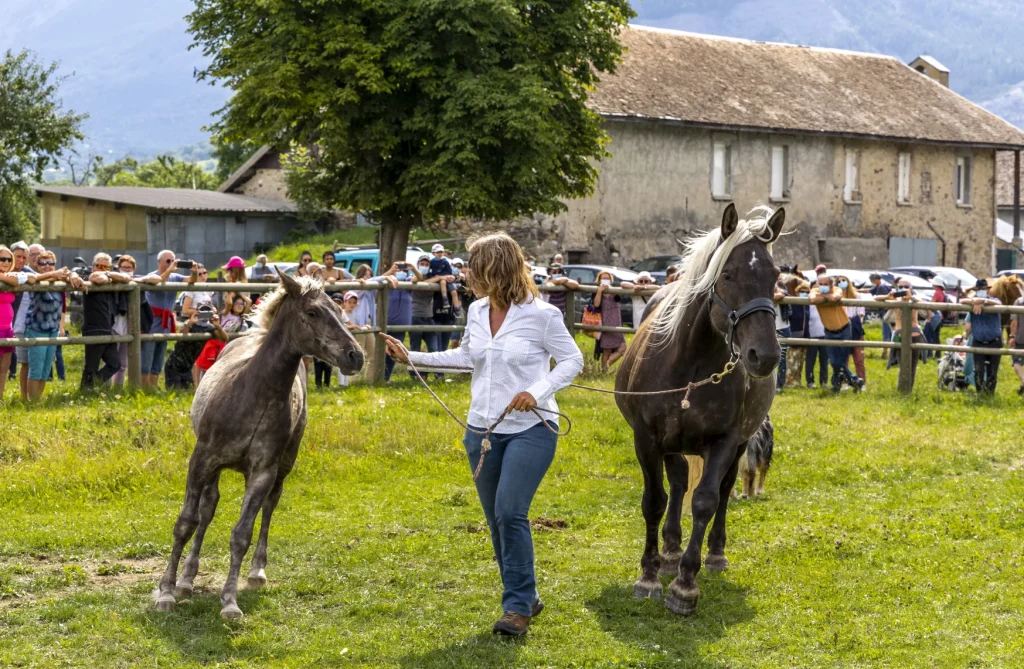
x=7 y=278
x=509 y=341
x=191 y=300
x=42 y=321
x=856 y=315
x=232 y=319
x=305 y=258
x=783 y=313
x=235 y=269
x=613 y=344
x=796 y=355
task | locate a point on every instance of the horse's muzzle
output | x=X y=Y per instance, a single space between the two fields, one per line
x=351 y=361
x=760 y=364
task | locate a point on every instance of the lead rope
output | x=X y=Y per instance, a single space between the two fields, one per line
x=485 y=444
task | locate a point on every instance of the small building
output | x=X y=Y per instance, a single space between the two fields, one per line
x=876 y=162
x=1009 y=246
x=205 y=226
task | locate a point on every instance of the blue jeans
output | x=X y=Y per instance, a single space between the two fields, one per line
x=886 y=330
x=389 y=362
x=428 y=338
x=838 y=356
x=40 y=358
x=153 y=354
x=511 y=474
x=780 y=381
x=816 y=353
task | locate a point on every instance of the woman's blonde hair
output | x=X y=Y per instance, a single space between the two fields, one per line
x=498 y=270
x=850 y=293
x=47 y=254
x=237 y=275
x=604 y=272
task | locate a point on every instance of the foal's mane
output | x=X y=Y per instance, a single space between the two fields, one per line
x=266 y=311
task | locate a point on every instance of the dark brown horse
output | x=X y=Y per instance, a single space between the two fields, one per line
x=721 y=310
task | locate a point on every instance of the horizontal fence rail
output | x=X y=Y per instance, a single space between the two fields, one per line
x=135 y=337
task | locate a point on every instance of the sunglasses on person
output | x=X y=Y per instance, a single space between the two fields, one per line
x=46 y=263
x=7 y=259
x=644 y=282
x=102 y=268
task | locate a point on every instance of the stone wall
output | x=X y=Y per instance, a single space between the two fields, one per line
x=266 y=183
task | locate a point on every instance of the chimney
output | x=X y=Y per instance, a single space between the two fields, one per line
x=932 y=68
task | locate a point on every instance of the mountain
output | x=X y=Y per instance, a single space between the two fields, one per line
x=130 y=68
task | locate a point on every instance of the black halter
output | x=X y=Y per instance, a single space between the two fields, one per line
x=734 y=316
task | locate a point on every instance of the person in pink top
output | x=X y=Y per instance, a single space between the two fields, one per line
x=7 y=279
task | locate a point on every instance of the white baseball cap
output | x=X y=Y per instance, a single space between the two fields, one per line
x=643 y=275
x=458 y=261
x=437 y=247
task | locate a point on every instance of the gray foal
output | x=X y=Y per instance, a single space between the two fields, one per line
x=261 y=373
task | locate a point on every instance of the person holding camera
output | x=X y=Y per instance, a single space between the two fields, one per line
x=162 y=303
x=826 y=297
x=903 y=292
x=986 y=330
x=191 y=299
x=181 y=370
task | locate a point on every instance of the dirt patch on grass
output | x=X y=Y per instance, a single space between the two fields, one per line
x=548 y=524
x=39 y=576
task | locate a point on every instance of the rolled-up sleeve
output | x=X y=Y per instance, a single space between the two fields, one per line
x=453 y=358
x=568 y=359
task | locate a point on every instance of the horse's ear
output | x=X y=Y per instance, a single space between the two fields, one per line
x=730 y=219
x=776 y=222
x=291 y=286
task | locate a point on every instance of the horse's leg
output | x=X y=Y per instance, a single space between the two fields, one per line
x=207 y=507
x=199 y=474
x=653 y=505
x=684 y=592
x=716 y=560
x=672 y=532
x=257 y=574
x=258 y=486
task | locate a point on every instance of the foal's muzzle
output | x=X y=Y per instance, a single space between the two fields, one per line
x=351 y=361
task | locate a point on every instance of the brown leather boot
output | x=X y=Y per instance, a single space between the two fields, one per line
x=511 y=624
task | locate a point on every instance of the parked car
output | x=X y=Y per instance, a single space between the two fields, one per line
x=288 y=268
x=352 y=258
x=1016 y=272
x=950 y=276
x=657 y=265
x=587 y=274
x=859 y=277
x=922 y=288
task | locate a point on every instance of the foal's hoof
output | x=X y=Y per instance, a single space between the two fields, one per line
x=257 y=580
x=716 y=563
x=682 y=600
x=183 y=591
x=669 y=564
x=231 y=612
x=165 y=603
x=647 y=589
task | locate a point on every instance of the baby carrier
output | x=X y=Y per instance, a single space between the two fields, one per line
x=951 y=371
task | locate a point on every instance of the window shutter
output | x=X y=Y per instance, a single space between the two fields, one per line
x=720 y=170
x=778 y=172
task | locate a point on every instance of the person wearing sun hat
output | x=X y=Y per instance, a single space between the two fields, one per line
x=235 y=269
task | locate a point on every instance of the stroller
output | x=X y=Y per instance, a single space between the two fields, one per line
x=951 y=370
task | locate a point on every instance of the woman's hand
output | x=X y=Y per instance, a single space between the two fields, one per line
x=395 y=348
x=524 y=401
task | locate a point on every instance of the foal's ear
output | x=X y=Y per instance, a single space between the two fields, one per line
x=776 y=222
x=730 y=219
x=291 y=286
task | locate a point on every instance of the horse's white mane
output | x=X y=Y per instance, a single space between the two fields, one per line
x=703 y=259
x=264 y=313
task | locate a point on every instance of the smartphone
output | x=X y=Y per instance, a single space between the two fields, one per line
x=204 y=315
x=184 y=264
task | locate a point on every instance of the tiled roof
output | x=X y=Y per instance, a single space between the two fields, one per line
x=172 y=199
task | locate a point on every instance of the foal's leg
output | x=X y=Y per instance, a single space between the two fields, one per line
x=684 y=592
x=653 y=505
x=199 y=474
x=257 y=488
x=257 y=575
x=672 y=532
x=716 y=560
x=207 y=507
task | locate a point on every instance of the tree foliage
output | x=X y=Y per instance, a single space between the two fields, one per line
x=164 y=172
x=418 y=109
x=230 y=155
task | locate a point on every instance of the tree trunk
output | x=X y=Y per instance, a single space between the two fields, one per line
x=394 y=240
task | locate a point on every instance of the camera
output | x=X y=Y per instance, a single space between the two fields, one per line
x=403 y=265
x=204 y=315
x=900 y=292
x=184 y=264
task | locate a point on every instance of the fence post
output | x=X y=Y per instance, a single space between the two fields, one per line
x=906 y=380
x=570 y=311
x=135 y=330
x=375 y=374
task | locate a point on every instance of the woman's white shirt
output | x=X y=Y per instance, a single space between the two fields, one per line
x=517 y=358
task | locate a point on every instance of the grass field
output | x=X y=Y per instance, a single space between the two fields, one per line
x=890 y=536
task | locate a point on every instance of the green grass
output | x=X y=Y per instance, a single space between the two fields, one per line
x=890 y=536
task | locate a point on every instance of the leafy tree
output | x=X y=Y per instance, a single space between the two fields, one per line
x=418 y=110
x=164 y=172
x=34 y=133
x=231 y=155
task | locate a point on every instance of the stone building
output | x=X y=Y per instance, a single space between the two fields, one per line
x=876 y=163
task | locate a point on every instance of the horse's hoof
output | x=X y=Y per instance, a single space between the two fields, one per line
x=257 y=580
x=682 y=600
x=165 y=603
x=716 y=563
x=647 y=589
x=183 y=591
x=669 y=564
x=231 y=612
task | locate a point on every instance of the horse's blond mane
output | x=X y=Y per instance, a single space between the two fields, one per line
x=265 y=312
x=703 y=259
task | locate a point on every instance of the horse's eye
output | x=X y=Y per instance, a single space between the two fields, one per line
x=311 y=313
x=725 y=275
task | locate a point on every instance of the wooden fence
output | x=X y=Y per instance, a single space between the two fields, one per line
x=136 y=337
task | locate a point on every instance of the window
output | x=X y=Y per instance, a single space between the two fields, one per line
x=851 y=192
x=721 y=170
x=962 y=181
x=781 y=176
x=903 y=189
